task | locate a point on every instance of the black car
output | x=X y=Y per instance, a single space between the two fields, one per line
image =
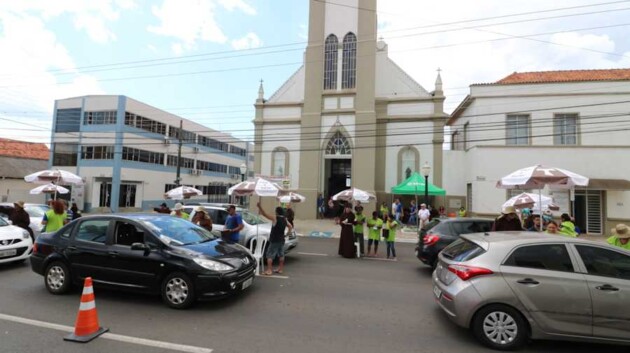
x=439 y=234
x=152 y=253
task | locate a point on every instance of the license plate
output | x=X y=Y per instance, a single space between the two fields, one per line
x=437 y=291
x=247 y=283
x=7 y=253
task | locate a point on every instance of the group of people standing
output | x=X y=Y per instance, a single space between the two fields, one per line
x=353 y=225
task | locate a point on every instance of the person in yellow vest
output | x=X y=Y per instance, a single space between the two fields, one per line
x=392 y=225
x=462 y=212
x=55 y=218
x=621 y=237
x=374 y=226
x=567 y=228
x=384 y=210
x=178 y=211
x=359 y=220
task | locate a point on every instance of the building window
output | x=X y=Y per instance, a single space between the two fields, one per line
x=330 y=62
x=97 y=152
x=142 y=156
x=349 y=70
x=65 y=154
x=99 y=118
x=408 y=162
x=338 y=145
x=280 y=161
x=186 y=136
x=185 y=162
x=146 y=124
x=212 y=167
x=68 y=120
x=565 y=129
x=517 y=128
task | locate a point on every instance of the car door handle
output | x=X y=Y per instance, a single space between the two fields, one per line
x=113 y=253
x=72 y=248
x=527 y=281
x=607 y=288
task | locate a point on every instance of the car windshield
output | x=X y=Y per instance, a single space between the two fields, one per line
x=36 y=210
x=177 y=231
x=252 y=218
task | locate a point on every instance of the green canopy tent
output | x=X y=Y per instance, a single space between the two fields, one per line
x=414 y=185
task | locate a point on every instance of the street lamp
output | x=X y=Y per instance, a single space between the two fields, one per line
x=243 y=168
x=426 y=170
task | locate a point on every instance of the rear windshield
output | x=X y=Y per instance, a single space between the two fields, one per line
x=462 y=250
x=440 y=228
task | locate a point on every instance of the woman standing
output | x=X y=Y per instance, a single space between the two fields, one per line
x=346 y=241
x=55 y=218
x=202 y=218
x=391 y=225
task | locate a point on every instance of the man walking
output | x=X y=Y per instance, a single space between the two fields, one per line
x=424 y=215
x=276 y=238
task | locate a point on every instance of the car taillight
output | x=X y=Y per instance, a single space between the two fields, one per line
x=430 y=239
x=468 y=272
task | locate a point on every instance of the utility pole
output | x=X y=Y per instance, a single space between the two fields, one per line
x=179 y=154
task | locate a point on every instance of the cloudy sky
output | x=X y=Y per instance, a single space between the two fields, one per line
x=203 y=59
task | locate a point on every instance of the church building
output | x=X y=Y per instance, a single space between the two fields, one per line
x=349 y=116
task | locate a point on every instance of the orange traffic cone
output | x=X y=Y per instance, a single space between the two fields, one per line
x=86 y=328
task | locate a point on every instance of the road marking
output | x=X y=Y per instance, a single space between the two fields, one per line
x=111 y=336
x=312 y=254
x=274 y=276
x=378 y=259
x=317 y=234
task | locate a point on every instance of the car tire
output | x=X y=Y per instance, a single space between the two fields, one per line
x=500 y=327
x=178 y=291
x=57 y=278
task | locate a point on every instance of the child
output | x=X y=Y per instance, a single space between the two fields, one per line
x=391 y=225
x=374 y=225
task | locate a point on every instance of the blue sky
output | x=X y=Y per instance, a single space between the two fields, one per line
x=206 y=57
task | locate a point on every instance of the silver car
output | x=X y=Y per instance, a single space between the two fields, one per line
x=508 y=287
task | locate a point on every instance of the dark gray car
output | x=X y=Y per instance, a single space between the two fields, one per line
x=510 y=286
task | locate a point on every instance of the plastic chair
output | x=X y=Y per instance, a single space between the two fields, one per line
x=257 y=247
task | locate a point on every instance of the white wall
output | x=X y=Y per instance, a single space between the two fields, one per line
x=342 y=16
x=12 y=190
x=400 y=135
x=281 y=113
x=287 y=136
x=415 y=109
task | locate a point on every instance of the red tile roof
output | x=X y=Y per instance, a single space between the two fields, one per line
x=566 y=76
x=21 y=149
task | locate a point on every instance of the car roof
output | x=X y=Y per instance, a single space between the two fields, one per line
x=467 y=219
x=512 y=238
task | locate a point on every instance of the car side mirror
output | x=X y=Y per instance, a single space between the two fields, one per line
x=140 y=246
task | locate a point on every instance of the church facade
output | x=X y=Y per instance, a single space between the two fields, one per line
x=349 y=116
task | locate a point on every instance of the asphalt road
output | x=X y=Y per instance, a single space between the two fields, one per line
x=327 y=304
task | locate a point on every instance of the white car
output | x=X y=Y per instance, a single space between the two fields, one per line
x=35 y=211
x=15 y=243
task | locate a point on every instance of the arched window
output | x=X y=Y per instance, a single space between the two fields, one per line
x=280 y=162
x=330 y=62
x=349 y=73
x=408 y=162
x=338 y=145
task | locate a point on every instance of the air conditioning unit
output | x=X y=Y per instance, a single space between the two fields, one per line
x=197 y=171
x=167 y=141
x=193 y=172
x=236 y=176
x=195 y=149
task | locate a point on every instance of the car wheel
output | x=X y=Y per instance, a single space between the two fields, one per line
x=499 y=327
x=178 y=291
x=57 y=278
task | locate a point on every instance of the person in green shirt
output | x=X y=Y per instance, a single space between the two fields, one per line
x=374 y=225
x=384 y=210
x=178 y=211
x=391 y=225
x=567 y=228
x=55 y=218
x=359 y=220
x=621 y=237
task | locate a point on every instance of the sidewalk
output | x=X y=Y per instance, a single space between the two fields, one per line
x=326 y=228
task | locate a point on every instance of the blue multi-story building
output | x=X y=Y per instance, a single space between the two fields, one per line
x=127 y=153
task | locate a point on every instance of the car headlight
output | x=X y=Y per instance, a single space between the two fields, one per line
x=213 y=265
x=25 y=234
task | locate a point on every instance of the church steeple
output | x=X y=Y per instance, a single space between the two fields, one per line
x=261 y=93
x=438 y=84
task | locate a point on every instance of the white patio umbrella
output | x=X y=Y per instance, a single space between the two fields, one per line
x=539 y=176
x=182 y=192
x=57 y=176
x=530 y=200
x=354 y=194
x=258 y=186
x=49 y=189
x=291 y=197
